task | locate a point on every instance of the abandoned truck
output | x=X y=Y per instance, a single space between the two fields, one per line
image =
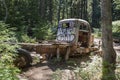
x=73 y=37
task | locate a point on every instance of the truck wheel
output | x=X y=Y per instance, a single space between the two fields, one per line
x=23 y=59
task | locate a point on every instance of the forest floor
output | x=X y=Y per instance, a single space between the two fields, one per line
x=45 y=70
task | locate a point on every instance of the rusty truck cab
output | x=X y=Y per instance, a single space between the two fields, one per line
x=80 y=32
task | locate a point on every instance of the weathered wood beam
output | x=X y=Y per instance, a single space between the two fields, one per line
x=67 y=53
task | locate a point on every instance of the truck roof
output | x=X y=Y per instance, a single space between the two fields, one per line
x=74 y=20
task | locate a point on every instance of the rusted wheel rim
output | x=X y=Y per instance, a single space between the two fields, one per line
x=20 y=61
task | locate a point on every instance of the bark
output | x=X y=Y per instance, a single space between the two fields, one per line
x=109 y=55
x=63 y=13
x=6 y=10
x=71 y=11
x=59 y=10
x=95 y=13
x=81 y=9
x=63 y=10
x=51 y=11
x=86 y=15
x=43 y=9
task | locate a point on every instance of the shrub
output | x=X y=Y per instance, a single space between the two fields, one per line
x=7 y=53
x=116 y=28
x=57 y=75
x=22 y=36
x=43 y=31
x=27 y=39
x=93 y=71
x=87 y=70
x=97 y=33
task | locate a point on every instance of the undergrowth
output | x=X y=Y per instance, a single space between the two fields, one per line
x=7 y=54
x=97 y=33
x=116 y=28
x=92 y=70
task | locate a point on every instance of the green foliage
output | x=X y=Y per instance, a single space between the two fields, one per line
x=7 y=53
x=96 y=13
x=94 y=70
x=57 y=75
x=5 y=34
x=116 y=9
x=43 y=31
x=107 y=71
x=116 y=28
x=26 y=38
x=29 y=16
x=97 y=33
x=117 y=2
x=23 y=37
x=91 y=70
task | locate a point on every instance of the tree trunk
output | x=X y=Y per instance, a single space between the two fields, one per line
x=50 y=11
x=63 y=11
x=86 y=12
x=82 y=9
x=59 y=10
x=95 y=13
x=71 y=9
x=6 y=10
x=109 y=55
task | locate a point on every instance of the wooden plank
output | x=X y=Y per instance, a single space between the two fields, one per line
x=46 y=44
x=58 y=53
x=67 y=53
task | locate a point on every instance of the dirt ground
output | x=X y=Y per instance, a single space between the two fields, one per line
x=44 y=70
x=40 y=71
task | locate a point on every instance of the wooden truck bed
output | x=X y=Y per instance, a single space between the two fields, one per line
x=56 y=48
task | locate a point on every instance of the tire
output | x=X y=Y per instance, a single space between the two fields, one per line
x=23 y=59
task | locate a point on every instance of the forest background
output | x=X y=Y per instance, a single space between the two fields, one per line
x=38 y=19
x=33 y=20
